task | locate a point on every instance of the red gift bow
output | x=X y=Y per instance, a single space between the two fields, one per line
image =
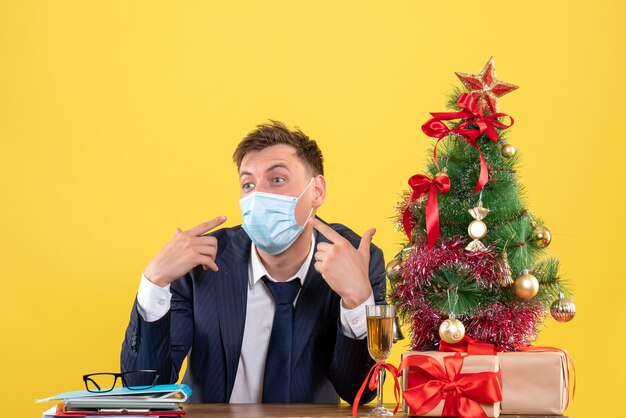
x=421 y=185
x=462 y=393
x=371 y=381
x=472 y=114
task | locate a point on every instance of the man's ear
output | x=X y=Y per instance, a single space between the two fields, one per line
x=319 y=190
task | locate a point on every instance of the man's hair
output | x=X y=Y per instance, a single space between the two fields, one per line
x=274 y=133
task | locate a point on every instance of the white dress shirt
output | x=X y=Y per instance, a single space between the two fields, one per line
x=153 y=302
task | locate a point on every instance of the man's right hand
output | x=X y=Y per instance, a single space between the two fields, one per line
x=185 y=251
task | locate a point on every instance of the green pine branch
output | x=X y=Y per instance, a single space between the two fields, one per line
x=454 y=291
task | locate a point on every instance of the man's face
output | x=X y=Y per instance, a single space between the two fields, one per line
x=278 y=170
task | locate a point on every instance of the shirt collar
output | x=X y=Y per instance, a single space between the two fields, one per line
x=257 y=270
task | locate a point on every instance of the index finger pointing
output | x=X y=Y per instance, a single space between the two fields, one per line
x=207 y=226
x=326 y=230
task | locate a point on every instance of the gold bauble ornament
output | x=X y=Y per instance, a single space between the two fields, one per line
x=541 y=236
x=452 y=330
x=526 y=285
x=406 y=252
x=393 y=270
x=508 y=150
x=443 y=172
x=563 y=309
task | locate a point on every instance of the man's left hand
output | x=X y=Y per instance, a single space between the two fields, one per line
x=345 y=268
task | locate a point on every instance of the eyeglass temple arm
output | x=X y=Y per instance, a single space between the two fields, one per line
x=93 y=382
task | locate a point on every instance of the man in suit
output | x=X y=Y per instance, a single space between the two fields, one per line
x=219 y=298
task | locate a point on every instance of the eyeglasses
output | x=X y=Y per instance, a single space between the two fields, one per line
x=133 y=380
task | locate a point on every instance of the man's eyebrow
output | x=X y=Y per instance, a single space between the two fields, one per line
x=272 y=167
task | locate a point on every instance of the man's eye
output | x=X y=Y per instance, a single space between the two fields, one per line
x=278 y=180
x=247 y=186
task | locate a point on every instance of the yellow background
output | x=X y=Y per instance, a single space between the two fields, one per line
x=118 y=120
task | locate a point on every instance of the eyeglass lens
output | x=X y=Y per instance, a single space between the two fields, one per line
x=141 y=379
x=100 y=382
x=134 y=380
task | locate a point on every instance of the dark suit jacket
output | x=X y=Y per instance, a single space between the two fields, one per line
x=207 y=318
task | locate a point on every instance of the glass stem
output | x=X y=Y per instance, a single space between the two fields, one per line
x=381 y=379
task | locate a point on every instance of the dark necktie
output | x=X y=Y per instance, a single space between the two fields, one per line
x=277 y=377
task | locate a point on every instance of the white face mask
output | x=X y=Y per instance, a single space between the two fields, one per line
x=270 y=220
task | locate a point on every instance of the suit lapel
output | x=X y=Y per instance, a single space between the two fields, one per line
x=308 y=307
x=232 y=295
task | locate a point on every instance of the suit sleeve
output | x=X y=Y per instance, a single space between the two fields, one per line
x=351 y=359
x=163 y=344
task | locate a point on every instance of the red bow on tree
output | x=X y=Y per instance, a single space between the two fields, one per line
x=421 y=185
x=472 y=114
x=462 y=393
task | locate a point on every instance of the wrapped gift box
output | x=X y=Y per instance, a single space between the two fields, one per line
x=471 y=364
x=534 y=382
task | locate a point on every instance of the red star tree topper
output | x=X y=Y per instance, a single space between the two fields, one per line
x=485 y=88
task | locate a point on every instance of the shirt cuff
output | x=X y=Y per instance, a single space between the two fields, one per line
x=354 y=321
x=153 y=302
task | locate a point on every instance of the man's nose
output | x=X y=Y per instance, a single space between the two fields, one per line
x=261 y=188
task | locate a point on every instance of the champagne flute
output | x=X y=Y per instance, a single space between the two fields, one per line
x=379 y=341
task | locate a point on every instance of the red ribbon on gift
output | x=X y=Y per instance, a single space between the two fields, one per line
x=421 y=184
x=372 y=381
x=570 y=364
x=470 y=346
x=472 y=115
x=462 y=393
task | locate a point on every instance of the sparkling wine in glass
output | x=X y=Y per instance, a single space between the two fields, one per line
x=379 y=341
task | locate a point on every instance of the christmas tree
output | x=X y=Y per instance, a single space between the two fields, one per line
x=475 y=258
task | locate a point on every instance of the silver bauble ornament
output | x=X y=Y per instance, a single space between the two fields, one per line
x=394 y=270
